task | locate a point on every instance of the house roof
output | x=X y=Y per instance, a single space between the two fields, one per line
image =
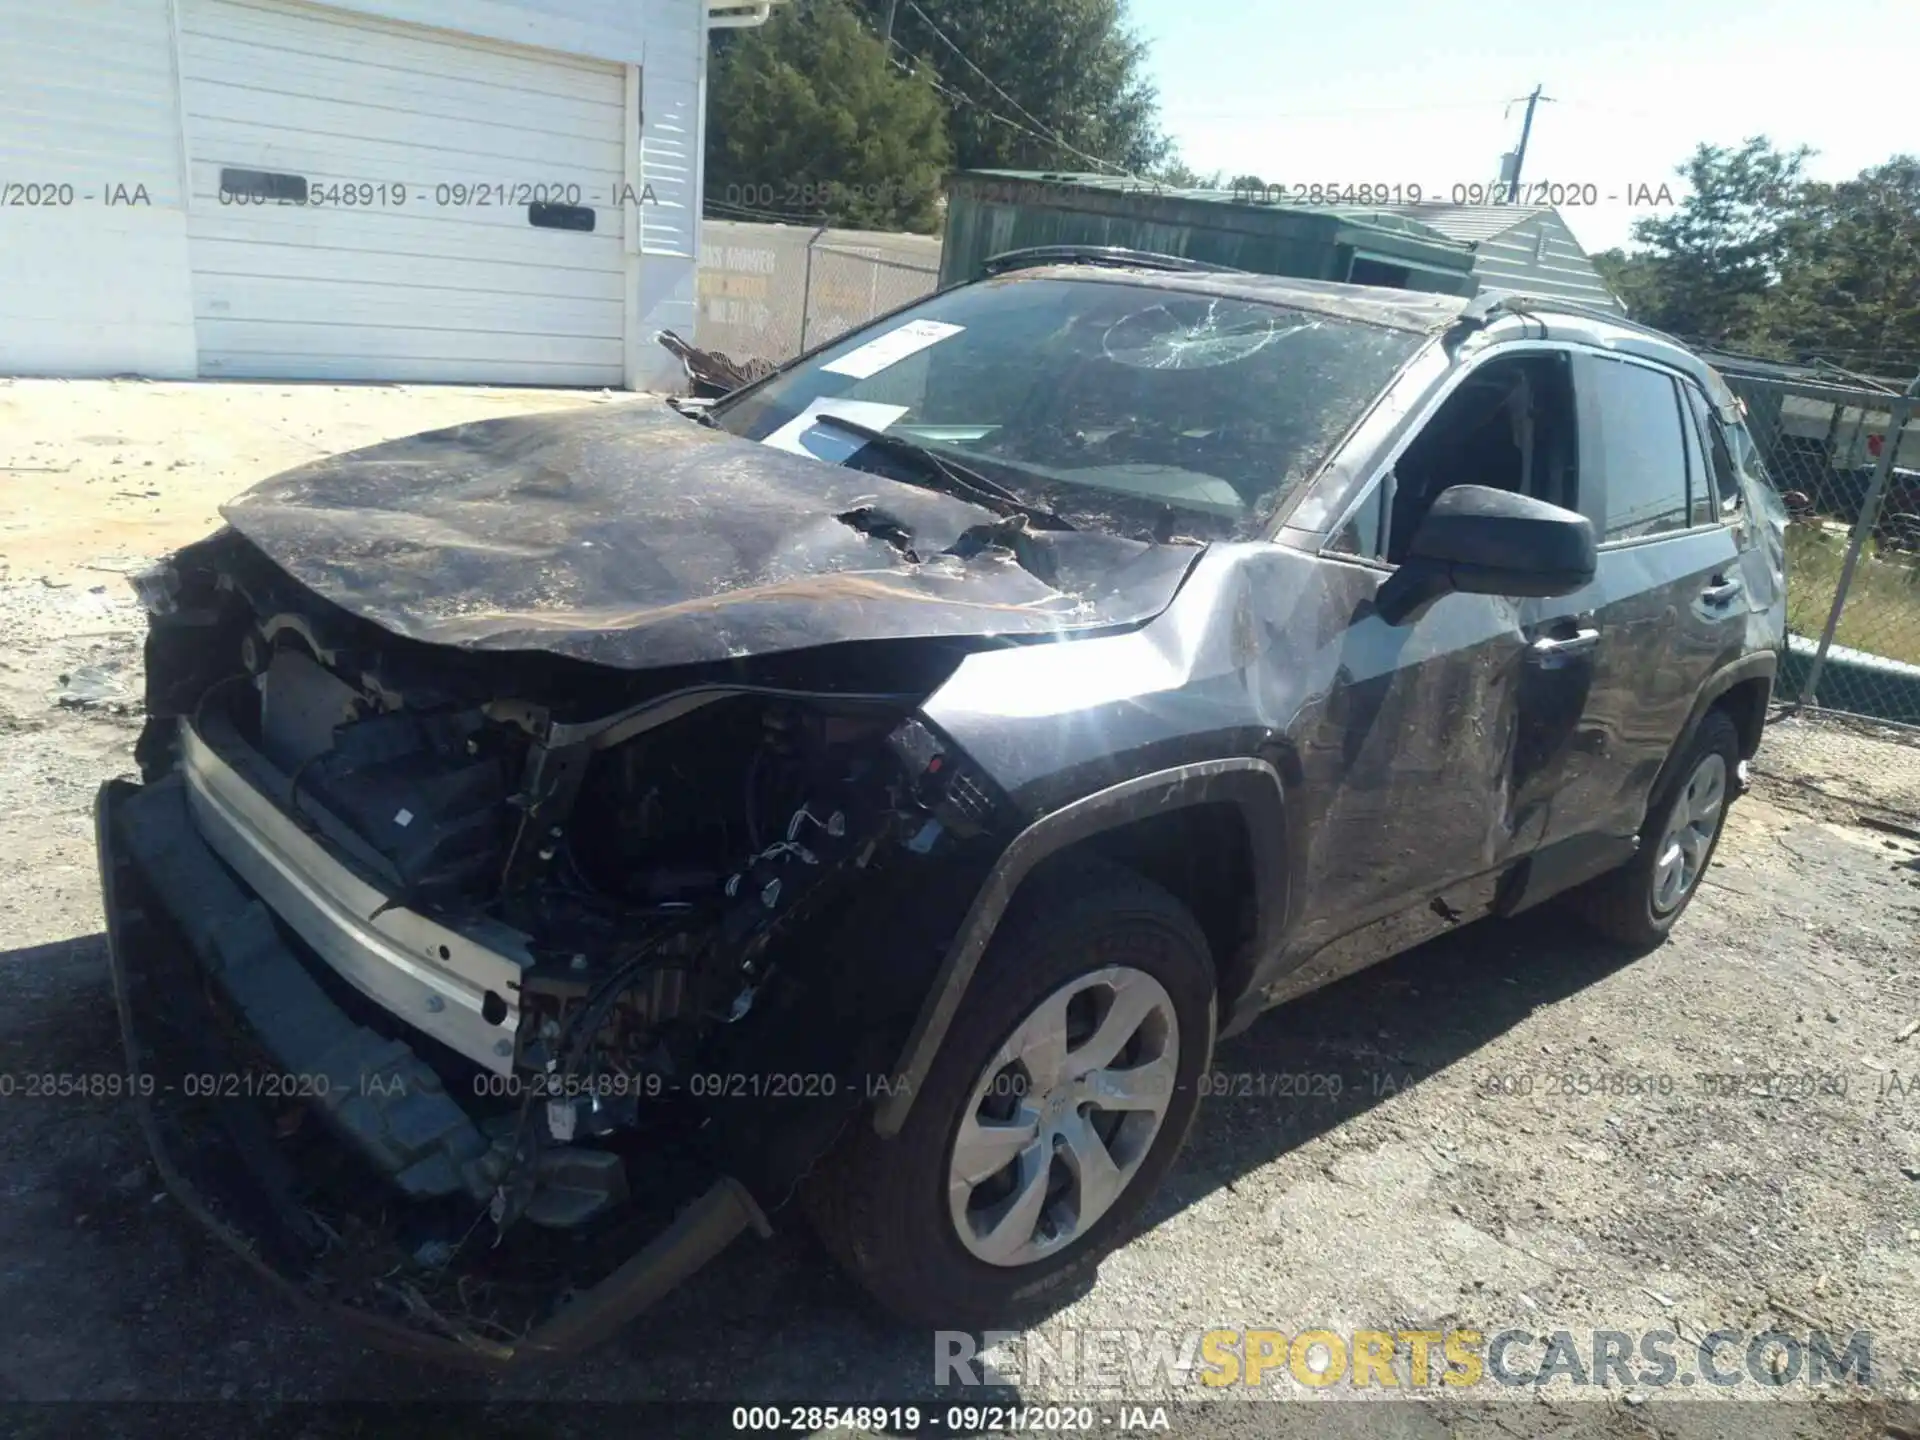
x=1469 y=223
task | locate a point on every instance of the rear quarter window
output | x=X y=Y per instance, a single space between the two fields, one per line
x=1726 y=479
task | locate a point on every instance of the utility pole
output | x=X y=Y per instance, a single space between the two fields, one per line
x=886 y=30
x=1526 y=131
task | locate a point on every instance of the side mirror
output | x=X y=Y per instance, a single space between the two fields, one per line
x=1481 y=541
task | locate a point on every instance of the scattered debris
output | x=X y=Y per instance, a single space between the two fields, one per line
x=93 y=685
x=713 y=374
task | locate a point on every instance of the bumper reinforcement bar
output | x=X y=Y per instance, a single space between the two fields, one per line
x=698 y=1232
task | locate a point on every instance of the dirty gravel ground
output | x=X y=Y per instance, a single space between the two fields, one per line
x=1425 y=1196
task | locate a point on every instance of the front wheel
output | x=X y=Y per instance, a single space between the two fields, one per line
x=1639 y=903
x=1058 y=1100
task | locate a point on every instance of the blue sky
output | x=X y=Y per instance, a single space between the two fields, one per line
x=1406 y=91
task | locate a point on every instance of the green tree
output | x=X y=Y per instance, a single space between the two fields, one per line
x=1708 y=266
x=806 y=116
x=1849 y=288
x=1176 y=174
x=1634 y=278
x=1044 y=84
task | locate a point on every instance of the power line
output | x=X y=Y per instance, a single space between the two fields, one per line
x=946 y=40
x=1045 y=132
x=961 y=97
x=1350 y=112
x=751 y=212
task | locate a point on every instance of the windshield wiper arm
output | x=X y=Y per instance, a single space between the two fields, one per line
x=955 y=478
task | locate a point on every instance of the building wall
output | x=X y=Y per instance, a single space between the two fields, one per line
x=672 y=101
x=1540 y=256
x=665 y=43
x=598 y=29
x=93 y=236
x=90 y=98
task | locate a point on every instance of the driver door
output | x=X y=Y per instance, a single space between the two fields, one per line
x=1463 y=740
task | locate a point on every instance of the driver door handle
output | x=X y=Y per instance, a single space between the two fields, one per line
x=1721 y=591
x=1550 y=651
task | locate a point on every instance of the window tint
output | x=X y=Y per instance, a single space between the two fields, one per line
x=1746 y=455
x=1726 y=481
x=1361 y=534
x=1642 y=446
x=1699 y=488
x=1508 y=425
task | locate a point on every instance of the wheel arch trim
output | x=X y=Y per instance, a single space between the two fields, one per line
x=1758 y=665
x=1249 y=783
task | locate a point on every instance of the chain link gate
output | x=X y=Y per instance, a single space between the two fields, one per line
x=1844 y=457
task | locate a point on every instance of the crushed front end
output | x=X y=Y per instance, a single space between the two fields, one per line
x=481 y=998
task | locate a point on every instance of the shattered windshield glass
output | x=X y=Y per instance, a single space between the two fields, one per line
x=1106 y=401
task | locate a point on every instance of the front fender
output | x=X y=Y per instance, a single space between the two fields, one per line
x=1249 y=783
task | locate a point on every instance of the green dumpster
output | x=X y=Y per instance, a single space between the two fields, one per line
x=990 y=212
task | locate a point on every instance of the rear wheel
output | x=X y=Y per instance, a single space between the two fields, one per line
x=1639 y=903
x=1059 y=1099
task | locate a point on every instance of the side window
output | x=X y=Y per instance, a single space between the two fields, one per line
x=1361 y=535
x=1643 y=449
x=1746 y=456
x=1699 y=488
x=1726 y=480
x=1509 y=425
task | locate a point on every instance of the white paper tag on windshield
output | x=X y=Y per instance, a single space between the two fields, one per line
x=805 y=435
x=891 y=348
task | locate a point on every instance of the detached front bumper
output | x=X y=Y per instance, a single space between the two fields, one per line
x=224 y=1103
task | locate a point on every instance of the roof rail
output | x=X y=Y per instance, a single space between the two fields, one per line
x=1488 y=304
x=1519 y=302
x=1113 y=255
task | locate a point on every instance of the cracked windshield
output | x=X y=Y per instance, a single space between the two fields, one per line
x=1109 y=403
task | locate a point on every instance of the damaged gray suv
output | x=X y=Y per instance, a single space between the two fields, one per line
x=566 y=842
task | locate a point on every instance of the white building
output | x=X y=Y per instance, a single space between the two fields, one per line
x=502 y=191
x=1519 y=247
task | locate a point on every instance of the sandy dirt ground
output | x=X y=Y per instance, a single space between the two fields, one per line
x=1528 y=1131
x=96 y=471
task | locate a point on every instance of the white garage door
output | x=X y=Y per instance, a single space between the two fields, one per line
x=377 y=202
x=93 y=241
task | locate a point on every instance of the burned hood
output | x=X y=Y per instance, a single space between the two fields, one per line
x=630 y=536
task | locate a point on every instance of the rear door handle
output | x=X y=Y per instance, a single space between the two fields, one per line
x=1550 y=651
x=1721 y=591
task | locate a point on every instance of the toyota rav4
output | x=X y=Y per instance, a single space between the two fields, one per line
x=566 y=842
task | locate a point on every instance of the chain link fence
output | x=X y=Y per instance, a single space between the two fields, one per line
x=769 y=292
x=1843 y=454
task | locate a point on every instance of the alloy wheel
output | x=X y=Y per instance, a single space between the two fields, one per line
x=1062 y=1116
x=1691 y=827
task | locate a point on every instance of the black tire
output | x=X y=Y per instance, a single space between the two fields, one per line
x=880 y=1206
x=1621 y=904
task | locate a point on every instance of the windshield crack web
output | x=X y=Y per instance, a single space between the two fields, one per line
x=1157 y=338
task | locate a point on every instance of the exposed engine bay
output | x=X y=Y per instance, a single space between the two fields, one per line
x=661 y=913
